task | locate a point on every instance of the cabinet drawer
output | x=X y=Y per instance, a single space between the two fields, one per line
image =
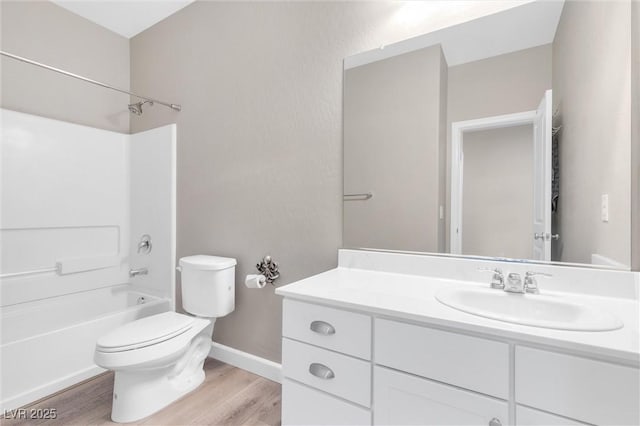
x=302 y=405
x=469 y=362
x=583 y=389
x=526 y=416
x=330 y=328
x=346 y=377
x=402 y=399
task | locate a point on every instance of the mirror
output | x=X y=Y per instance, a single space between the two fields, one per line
x=507 y=136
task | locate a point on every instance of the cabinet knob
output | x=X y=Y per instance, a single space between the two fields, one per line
x=321 y=371
x=322 y=327
x=495 y=422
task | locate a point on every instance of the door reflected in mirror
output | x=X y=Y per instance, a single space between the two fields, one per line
x=507 y=136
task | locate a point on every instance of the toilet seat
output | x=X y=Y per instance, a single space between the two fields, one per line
x=145 y=332
x=127 y=347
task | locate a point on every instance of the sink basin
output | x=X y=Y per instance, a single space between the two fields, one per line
x=528 y=309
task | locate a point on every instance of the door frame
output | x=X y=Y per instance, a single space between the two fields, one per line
x=458 y=128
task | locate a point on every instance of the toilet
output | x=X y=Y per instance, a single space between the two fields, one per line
x=160 y=358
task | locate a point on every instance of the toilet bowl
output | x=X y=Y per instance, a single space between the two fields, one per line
x=160 y=358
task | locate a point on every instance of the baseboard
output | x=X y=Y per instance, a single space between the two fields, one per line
x=254 y=364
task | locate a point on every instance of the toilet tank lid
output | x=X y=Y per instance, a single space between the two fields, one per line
x=204 y=262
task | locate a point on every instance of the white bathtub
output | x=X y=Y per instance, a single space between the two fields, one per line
x=48 y=344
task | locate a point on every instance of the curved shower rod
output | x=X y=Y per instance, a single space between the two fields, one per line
x=175 y=107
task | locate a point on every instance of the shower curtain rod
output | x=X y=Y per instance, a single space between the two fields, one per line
x=88 y=80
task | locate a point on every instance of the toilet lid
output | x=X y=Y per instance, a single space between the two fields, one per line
x=145 y=332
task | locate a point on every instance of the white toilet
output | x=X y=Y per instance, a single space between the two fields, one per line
x=160 y=358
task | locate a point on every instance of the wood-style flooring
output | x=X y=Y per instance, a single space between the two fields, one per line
x=228 y=396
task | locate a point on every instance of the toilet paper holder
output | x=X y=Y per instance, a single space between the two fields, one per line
x=269 y=268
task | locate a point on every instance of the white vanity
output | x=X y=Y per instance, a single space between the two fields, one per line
x=369 y=343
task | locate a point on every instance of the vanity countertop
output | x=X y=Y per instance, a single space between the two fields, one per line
x=412 y=298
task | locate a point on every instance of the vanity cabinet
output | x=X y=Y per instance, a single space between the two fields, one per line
x=343 y=367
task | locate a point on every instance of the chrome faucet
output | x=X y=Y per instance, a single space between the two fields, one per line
x=136 y=272
x=497 y=280
x=514 y=283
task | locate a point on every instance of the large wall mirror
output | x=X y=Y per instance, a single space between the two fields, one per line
x=507 y=136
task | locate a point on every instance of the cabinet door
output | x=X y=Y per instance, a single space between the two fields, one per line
x=526 y=416
x=444 y=356
x=302 y=405
x=402 y=399
x=590 y=391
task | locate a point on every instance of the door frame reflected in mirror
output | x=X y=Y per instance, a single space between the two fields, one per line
x=540 y=119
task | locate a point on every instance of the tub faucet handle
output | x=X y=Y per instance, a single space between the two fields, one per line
x=145 y=246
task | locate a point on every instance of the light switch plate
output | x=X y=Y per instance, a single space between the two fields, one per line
x=604 y=210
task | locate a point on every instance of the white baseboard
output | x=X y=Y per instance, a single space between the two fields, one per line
x=254 y=364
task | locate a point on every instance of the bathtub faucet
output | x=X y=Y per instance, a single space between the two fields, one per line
x=135 y=272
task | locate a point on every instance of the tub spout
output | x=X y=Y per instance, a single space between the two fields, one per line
x=135 y=272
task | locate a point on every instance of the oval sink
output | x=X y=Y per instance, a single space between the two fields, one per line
x=528 y=309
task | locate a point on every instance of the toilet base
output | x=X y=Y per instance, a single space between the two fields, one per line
x=140 y=393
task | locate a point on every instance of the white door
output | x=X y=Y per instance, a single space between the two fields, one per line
x=541 y=235
x=403 y=399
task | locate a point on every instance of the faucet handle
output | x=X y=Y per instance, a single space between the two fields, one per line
x=542 y=274
x=497 y=280
x=530 y=283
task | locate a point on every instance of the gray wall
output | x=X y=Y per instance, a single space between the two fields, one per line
x=592 y=87
x=393 y=138
x=260 y=135
x=635 y=135
x=49 y=34
x=504 y=84
x=498 y=192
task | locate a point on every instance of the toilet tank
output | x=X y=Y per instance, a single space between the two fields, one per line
x=208 y=285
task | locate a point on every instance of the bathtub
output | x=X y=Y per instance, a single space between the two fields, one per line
x=48 y=344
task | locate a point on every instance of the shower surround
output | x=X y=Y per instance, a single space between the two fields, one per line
x=75 y=202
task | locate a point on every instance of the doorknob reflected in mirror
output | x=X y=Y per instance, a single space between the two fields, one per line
x=546 y=237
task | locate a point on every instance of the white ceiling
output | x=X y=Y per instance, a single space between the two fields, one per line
x=125 y=17
x=518 y=28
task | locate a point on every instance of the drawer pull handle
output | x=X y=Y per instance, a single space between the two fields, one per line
x=322 y=327
x=321 y=371
x=495 y=422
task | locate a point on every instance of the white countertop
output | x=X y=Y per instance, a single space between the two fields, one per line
x=412 y=298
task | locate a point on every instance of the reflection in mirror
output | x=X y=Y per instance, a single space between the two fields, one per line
x=502 y=230
x=506 y=136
